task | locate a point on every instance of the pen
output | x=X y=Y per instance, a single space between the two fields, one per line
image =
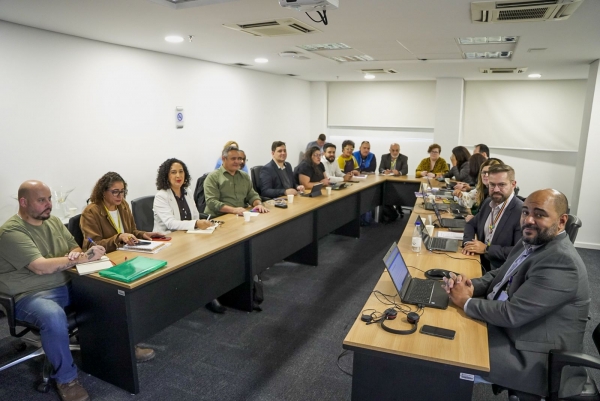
x=92 y=241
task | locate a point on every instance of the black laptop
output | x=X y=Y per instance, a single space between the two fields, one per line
x=314 y=192
x=437 y=243
x=448 y=223
x=414 y=291
x=339 y=185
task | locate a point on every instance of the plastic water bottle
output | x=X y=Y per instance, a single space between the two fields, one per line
x=416 y=238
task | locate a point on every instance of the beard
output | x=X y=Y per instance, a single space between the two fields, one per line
x=42 y=215
x=330 y=159
x=543 y=236
x=498 y=198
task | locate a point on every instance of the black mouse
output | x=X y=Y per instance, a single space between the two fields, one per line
x=437 y=274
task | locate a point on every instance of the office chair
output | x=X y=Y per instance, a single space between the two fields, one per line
x=143 y=214
x=199 y=194
x=572 y=227
x=255 y=176
x=7 y=302
x=75 y=229
x=558 y=359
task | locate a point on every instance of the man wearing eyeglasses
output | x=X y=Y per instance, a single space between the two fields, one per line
x=228 y=189
x=497 y=225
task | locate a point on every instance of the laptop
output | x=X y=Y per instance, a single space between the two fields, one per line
x=442 y=193
x=448 y=223
x=314 y=192
x=437 y=243
x=339 y=185
x=427 y=205
x=414 y=291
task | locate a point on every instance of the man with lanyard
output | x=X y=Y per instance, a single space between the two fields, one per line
x=497 y=224
x=537 y=301
x=367 y=162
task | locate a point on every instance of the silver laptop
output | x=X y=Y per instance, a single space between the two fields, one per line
x=448 y=223
x=437 y=243
x=414 y=291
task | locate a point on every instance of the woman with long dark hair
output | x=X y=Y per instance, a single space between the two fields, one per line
x=311 y=171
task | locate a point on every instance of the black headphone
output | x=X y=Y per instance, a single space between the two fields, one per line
x=411 y=317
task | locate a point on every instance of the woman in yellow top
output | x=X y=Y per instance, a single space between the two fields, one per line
x=346 y=160
x=434 y=165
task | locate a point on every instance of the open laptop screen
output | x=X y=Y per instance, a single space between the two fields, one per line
x=398 y=271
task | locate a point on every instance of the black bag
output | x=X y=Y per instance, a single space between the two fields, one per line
x=389 y=214
x=257 y=293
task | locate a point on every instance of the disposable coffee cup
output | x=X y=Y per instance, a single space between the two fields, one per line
x=429 y=229
x=290 y=198
x=247 y=216
x=328 y=189
x=431 y=198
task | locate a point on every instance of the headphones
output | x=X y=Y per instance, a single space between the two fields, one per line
x=411 y=317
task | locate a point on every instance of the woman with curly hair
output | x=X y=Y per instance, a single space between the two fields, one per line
x=174 y=207
x=108 y=220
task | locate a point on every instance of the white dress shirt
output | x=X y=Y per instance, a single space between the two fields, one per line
x=332 y=170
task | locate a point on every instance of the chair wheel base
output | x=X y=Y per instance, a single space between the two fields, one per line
x=43 y=387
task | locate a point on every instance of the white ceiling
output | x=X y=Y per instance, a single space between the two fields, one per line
x=427 y=28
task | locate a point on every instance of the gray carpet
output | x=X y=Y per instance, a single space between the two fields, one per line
x=286 y=352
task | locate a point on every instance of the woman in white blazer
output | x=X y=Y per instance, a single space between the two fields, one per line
x=174 y=206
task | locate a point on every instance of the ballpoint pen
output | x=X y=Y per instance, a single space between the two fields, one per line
x=92 y=241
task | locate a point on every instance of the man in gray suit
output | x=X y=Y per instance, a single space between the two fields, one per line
x=497 y=223
x=394 y=162
x=537 y=301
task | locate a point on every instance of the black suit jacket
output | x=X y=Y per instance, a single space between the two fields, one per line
x=401 y=163
x=506 y=235
x=271 y=184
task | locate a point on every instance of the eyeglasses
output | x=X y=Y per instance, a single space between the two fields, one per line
x=116 y=192
x=500 y=185
x=485 y=173
x=435 y=151
x=316 y=155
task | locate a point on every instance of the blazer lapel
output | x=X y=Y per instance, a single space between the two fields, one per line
x=485 y=212
x=506 y=215
x=172 y=202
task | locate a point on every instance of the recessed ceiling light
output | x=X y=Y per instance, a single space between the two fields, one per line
x=261 y=60
x=369 y=76
x=174 y=39
x=535 y=75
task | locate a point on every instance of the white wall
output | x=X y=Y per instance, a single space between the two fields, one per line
x=72 y=109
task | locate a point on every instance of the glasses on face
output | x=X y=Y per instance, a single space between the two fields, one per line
x=500 y=185
x=240 y=159
x=116 y=192
x=316 y=155
x=485 y=173
x=435 y=151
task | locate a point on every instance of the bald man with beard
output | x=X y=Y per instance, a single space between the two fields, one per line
x=536 y=301
x=35 y=250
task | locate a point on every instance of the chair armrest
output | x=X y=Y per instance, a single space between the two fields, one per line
x=558 y=359
x=8 y=304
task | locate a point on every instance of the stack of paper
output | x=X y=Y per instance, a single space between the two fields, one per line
x=208 y=230
x=152 y=247
x=95 y=266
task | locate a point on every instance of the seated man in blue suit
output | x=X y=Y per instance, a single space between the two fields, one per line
x=497 y=224
x=537 y=301
x=277 y=176
x=367 y=162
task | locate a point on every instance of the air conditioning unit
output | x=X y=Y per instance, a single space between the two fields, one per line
x=278 y=27
x=523 y=10
x=492 y=70
x=378 y=71
x=310 y=5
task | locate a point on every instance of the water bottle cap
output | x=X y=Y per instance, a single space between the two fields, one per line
x=417 y=223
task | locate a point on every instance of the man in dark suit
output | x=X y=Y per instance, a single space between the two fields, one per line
x=277 y=176
x=394 y=162
x=497 y=224
x=537 y=301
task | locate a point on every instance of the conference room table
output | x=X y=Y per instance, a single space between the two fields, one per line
x=113 y=316
x=414 y=367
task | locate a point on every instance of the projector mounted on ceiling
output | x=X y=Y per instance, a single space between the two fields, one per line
x=310 y=5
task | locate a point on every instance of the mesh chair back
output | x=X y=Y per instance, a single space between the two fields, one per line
x=142 y=212
x=75 y=230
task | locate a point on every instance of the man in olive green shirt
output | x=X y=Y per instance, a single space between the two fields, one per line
x=35 y=249
x=229 y=190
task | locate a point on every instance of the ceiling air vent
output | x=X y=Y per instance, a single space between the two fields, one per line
x=279 y=27
x=378 y=71
x=516 y=70
x=523 y=10
x=241 y=65
x=181 y=4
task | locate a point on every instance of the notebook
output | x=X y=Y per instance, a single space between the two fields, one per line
x=414 y=291
x=448 y=223
x=133 y=269
x=144 y=246
x=95 y=266
x=437 y=243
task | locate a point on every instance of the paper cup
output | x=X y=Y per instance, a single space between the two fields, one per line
x=431 y=198
x=328 y=189
x=290 y=198
x=247 y=216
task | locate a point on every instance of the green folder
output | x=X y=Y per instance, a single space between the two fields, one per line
x=132 y=269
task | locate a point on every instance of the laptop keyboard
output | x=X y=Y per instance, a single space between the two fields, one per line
x=420 y=290
x=438 y=243
x=454 y=223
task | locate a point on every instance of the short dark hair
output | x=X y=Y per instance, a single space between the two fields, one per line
x=461 y=154
x=277 y=144
x=103 y=184
x=162 y=177
x=322 y=137
x=434 y=146
x=348 y=142
x=328 y=145
x=483 y=148
x=502 y=168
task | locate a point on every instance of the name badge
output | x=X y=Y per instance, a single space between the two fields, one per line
x=503 y=296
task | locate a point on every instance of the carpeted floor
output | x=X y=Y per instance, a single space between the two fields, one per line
x=286 y=352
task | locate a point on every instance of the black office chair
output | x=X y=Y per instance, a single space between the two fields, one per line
x=8 y=304
x=558 y=359
x=199 y=194
x=572 y=227
x=255 y=176
x=142 y=212
x=75 y=229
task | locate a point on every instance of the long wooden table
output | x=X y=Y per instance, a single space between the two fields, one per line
x=412 y=367
x=114 y=316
